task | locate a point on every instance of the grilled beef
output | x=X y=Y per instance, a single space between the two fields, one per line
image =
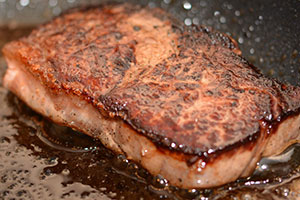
x=179 y=100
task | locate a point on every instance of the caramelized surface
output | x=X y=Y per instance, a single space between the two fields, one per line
x=184 y=88
x=19 y=142
x=206 y=97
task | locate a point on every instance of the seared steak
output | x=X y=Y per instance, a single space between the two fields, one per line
x=179 y=100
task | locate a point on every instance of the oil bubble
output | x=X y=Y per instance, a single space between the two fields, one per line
x=24 y=2
x=222 y=19
x=187 y=5
x=217 y=13
x=241 y=40
x=237 y=13
x=196 y=21
x=188 y=21
x=167 y=1
x=159 y=181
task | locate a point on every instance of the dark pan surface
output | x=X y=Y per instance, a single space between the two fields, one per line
x=39 y=160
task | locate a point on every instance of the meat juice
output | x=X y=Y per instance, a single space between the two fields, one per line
x=41 y=160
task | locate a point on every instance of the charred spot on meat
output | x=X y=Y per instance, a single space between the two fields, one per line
x=179 y=100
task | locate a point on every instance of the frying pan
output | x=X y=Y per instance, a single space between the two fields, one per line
x=41 y=160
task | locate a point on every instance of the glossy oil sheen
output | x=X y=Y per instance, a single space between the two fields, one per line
x=40 y=160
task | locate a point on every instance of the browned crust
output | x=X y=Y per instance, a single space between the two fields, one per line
x=205 y=98
x=191 y=92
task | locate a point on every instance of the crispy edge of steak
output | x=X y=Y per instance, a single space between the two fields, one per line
x=230 y=164
x=182 y=168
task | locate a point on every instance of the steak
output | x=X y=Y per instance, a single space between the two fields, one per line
x=179 y=100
